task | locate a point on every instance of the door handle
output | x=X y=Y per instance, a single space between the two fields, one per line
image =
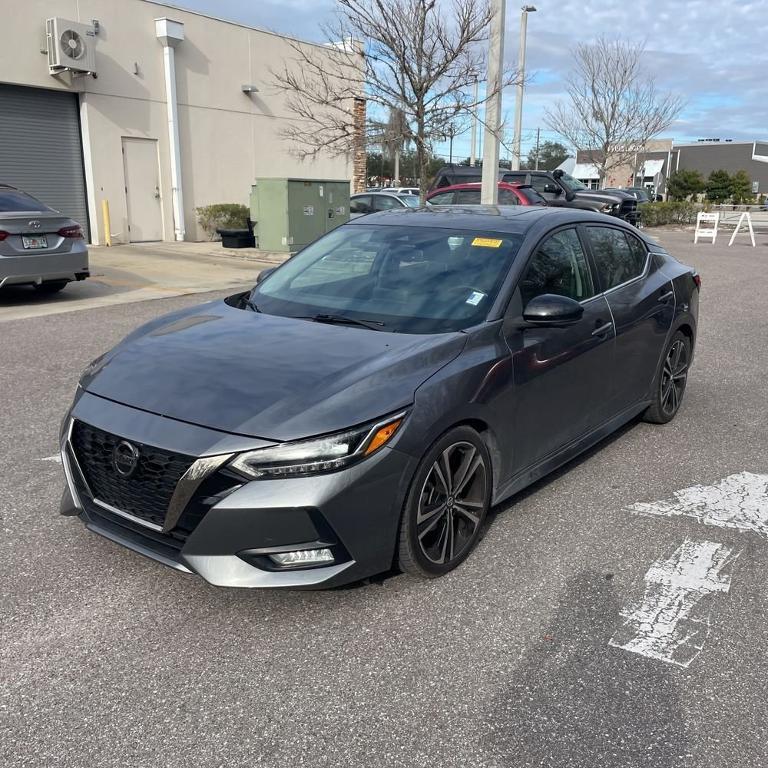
x=667 y=296
x=603 y=329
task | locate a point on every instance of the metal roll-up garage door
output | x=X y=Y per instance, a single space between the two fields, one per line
x=40 y=148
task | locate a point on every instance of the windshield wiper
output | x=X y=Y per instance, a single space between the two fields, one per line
x=373 y=325
x=249 y=303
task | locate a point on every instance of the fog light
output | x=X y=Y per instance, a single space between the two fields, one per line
x=302 y=557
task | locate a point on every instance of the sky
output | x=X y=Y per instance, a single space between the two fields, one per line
x=713 y=53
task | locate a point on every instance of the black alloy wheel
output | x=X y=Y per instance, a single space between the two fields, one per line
x=671 y=381
x=447 y=504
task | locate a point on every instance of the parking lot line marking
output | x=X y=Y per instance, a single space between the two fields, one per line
x=55 y=458
x=670 y=623
x=738 y=501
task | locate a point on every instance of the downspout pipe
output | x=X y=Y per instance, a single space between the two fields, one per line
x=170 y=33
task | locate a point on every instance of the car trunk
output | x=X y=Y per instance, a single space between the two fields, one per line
x=33 y=233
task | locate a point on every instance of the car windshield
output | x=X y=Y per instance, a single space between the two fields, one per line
x=412 y=201
x=16 y=201
x=573 y=184
x=401 y=279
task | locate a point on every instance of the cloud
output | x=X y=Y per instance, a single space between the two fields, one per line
x=709 y=51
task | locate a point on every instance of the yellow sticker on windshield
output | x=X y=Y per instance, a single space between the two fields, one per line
x=487 y=242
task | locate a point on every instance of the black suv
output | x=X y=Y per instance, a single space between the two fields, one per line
x=556 y=187
x=560 y=189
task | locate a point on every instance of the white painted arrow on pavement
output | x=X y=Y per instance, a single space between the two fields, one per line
x=737 y=501
x=670 y=623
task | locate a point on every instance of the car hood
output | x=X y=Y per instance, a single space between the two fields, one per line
x=600 y=196
x=265 y=376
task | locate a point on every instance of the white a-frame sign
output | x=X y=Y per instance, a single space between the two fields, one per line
x=706 y=226
x=750 y=231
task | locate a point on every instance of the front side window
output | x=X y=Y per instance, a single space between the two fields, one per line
x=559 y=266
x=468 y=197
x=407 y=279
x=619 y=257
x=543 y=184
x=385 y=203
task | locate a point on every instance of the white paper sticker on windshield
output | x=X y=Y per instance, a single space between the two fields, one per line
x=475 y=298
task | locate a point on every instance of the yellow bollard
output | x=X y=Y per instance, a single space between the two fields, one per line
x=105 y=221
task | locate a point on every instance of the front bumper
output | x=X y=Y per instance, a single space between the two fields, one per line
x=32 y=268
x=354 y=512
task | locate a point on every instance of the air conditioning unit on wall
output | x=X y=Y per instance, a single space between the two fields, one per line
x=71 y=47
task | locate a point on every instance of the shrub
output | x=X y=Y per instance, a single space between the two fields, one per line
x=683 y=184
x=719 y=186
x=678 y=212
x=222 y=216
x=741 y=188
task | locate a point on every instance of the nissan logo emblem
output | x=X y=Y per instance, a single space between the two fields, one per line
x=125 y=458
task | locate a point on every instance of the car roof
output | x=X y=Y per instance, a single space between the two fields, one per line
x=379 y=192
x=497 y=218
x=478 y=185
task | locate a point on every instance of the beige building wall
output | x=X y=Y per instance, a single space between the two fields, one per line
x=227 y=138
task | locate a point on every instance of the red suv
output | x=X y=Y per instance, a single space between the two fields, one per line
x=469 y=194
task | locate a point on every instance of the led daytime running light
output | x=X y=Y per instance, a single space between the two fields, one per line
x=323 y=454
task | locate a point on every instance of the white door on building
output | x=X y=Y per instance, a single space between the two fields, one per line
x=142 y=190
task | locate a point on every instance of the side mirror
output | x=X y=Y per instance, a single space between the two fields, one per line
x=552 y=189
x=552 y=310
x=264 y=274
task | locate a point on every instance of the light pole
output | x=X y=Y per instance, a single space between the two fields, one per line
x=526 y=9
x=489 y=191
x=473 y=139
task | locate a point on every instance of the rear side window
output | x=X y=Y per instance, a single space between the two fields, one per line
x=444 y=198
x=508 y=197
x=468 y=197
x=360 y=205
x=619 y=257
x=559 y=266
x=14 y=200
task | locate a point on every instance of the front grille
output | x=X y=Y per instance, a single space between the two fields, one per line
x=147 y=492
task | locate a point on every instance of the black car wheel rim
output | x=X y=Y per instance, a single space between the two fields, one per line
x=673 y=377
x=451 y=504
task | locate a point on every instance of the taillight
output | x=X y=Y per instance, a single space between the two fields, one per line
x=697 y=280
x=3 y=235
x=74 y=232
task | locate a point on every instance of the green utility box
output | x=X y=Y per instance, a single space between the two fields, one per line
x=292 y=213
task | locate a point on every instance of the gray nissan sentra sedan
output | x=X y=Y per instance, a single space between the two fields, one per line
x=38 y=246
x=369 y=400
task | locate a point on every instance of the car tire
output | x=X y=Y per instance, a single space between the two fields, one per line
x=51 y=286
x=447 y=504
x=670 y=381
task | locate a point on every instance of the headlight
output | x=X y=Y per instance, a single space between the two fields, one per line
x=609 y=207
x=322 y=454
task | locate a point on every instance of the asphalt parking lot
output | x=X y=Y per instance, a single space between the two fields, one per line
x=523 y=656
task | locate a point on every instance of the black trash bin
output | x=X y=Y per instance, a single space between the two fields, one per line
x=238 y=238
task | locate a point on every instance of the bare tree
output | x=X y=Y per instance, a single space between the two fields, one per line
x=418 y=57
x=393 y=136
x=613 y=107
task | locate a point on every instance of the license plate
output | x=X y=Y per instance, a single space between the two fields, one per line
x=34 y=242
